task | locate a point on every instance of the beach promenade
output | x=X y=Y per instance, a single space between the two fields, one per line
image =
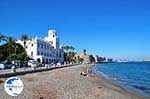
x=67 y=83
x=21 y=71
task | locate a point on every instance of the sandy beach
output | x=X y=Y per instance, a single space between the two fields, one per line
x=67 y=83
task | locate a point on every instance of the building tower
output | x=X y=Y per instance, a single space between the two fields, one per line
x=53 y=38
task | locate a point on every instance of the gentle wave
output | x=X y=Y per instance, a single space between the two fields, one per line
x=134 y=76
x=96 y=71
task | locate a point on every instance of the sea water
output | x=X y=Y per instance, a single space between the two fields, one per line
x=131 y=75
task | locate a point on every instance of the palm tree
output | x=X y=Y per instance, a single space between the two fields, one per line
x=69 y=54
x=66 y=47
x=24 y=38
x=10 y=42
x=72 y=48
x=11 y=45
x=2 y=37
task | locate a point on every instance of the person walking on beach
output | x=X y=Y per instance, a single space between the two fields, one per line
x=13 y=69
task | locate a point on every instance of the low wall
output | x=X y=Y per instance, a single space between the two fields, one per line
x=6 y=75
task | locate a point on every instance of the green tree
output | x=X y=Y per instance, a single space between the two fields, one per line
x=2 y=37
x=72 y=48
x=71 y=56
x=10 y=45
x=92 y=59
x=66 y=48
x=69 y=53
x=12 y=56
x=12 y=51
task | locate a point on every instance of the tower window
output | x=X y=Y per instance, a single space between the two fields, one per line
x=31 y=53
x=38 y=53
x=38 y=44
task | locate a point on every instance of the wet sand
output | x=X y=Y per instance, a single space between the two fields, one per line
x=67 y=83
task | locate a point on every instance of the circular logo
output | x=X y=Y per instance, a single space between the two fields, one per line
x=13 y=86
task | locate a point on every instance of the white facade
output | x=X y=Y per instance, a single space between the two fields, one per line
x=52 y=38
x=46 y=50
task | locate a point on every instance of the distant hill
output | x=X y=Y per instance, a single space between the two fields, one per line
x=147 y=60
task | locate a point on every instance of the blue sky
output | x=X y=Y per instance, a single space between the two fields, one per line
x=113 y=28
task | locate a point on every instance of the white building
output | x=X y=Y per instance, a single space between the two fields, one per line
x=45 y=50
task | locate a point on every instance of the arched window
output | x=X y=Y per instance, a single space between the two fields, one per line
x=38 y=60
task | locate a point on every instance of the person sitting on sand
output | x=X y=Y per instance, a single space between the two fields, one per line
x=83 y=73
x=88 y=71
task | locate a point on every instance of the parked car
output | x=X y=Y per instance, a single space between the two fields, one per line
x=6 y=65
x=2 y=66
x=18 y=63
x=58 y=64
x=34 y=63
x=9 y=65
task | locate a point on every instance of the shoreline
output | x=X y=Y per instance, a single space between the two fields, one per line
x=67 y=83
x=132 y=91
x=109 y=81
x=122 y=88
